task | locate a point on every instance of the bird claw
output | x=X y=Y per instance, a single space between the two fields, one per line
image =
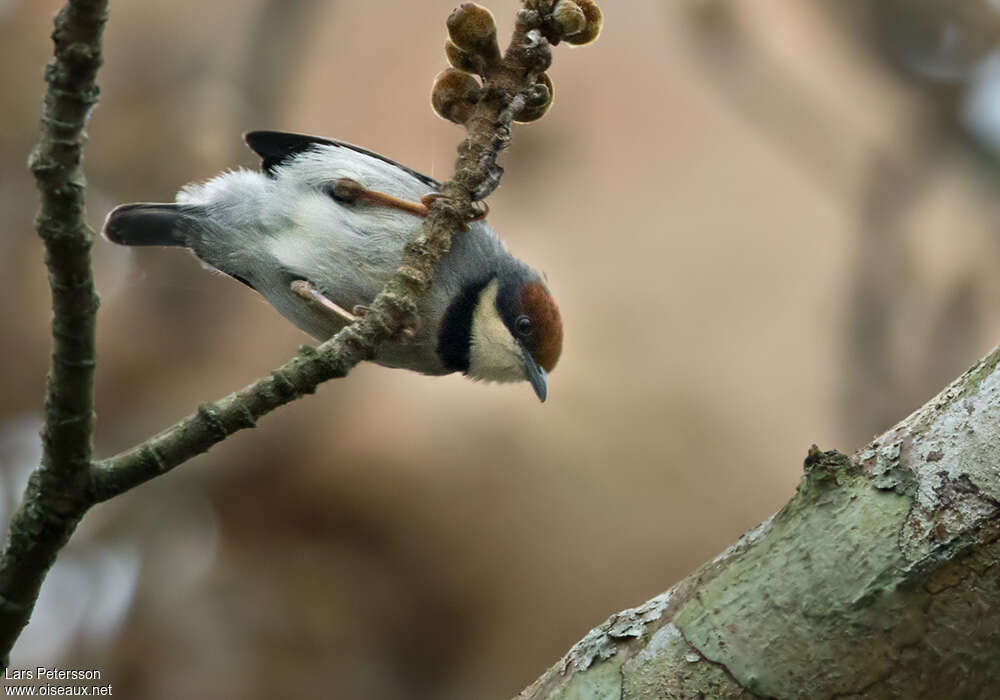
x=480 y=208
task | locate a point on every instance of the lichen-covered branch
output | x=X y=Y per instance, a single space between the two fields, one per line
x=67 y=482
x=877 y=580
x=55 y=498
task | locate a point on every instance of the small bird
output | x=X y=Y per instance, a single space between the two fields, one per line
x=321 y=229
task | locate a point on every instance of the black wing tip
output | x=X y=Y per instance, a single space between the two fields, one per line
x=278 y=147
x=269 y=139
x=250 y=138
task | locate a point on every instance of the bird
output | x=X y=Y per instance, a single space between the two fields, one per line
x=320 y=228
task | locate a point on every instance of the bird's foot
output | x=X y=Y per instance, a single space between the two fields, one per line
x=350 y=191
x=308 y=292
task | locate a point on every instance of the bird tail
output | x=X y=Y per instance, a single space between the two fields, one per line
x=146 y=224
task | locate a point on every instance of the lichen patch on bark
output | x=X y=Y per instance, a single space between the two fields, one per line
x=602 y=641
x=948 y=455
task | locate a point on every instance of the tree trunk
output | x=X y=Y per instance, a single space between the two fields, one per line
x=879 y=579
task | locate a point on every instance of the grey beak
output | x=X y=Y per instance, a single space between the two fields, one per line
x=536 y=375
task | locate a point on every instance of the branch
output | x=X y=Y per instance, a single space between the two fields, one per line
x=878 y=579
x=55 y=498
x=67 y=483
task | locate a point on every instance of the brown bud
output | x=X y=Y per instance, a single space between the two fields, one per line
x=472 y=28
x=462 y=59
x=454 y=95
x=569 y=18
x=594 y=20
x=539 y=99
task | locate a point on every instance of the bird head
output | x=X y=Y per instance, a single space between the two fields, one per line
x=505 y=328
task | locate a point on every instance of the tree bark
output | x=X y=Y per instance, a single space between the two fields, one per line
x=879 y=579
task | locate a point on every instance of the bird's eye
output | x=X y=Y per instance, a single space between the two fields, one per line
x=523 y=325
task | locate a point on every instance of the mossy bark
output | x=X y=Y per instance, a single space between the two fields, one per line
x=879 y=579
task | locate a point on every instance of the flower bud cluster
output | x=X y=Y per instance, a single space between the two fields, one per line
x=472 y=50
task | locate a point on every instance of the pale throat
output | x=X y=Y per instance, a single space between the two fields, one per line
x=494 y=354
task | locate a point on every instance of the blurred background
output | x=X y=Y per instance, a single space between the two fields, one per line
x=767 y=225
